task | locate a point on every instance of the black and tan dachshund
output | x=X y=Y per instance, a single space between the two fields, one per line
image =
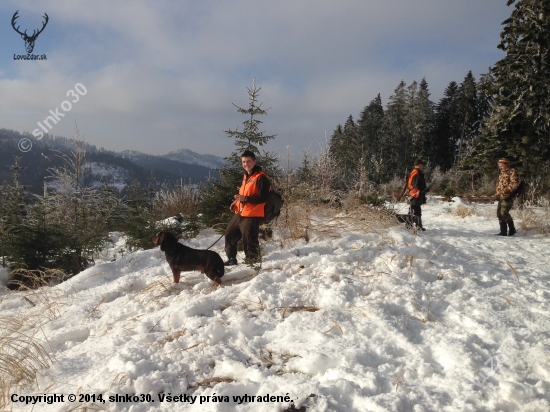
x=183 y=258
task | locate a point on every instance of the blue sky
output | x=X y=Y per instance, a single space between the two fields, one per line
x=163 y=75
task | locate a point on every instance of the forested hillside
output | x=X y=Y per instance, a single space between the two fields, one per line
x=44 y=154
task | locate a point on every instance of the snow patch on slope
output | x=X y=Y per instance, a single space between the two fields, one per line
x=363 y=321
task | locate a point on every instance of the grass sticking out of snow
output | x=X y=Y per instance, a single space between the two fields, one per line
x=363 y=320
x=21 y=354
x=533 y=216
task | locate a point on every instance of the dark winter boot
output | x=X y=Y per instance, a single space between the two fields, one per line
x=420 y=224
x=503 y=229
x=232 y=261
x=512 y=228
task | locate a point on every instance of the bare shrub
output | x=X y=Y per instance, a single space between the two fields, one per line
x=327 y=221
x=486 y=186
x=396 y=185
x=455 y=180
x=463 y=211
x=182 y=200
x=295 y=221
x=534 y=216
x=360 y=219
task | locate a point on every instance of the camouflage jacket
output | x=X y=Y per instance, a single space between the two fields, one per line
x=508 y=182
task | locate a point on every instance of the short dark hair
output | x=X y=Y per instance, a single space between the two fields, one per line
x=249 y=153
x=419 y=162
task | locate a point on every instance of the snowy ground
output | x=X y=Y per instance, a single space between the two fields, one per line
x=450 y=319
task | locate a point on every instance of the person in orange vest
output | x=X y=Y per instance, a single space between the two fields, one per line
x=416 y=183
x=249 y=205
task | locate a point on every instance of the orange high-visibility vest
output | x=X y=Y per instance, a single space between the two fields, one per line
x=249 y=187
x=413 y=191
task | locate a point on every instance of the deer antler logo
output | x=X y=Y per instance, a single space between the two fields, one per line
x=29 y=40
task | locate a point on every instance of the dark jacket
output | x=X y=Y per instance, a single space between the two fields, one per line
x=263 y=187
x=417 y=182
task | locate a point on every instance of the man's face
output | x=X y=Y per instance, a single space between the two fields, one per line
x=503 y=166
x=248 y=164
x=420 y=166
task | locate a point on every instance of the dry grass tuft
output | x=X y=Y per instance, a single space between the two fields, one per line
x=21 y=355
x=155 y=290
x=211 y=382
x=425 y=315
x=117 y=381
x=173 y=336
x=295 y=221
x=190 y=347
x=506 y=299
x=361 y=219
x=463 y=211
x=336 y=325
x=180 y=200
x=34 y=279
x=513 y=270
x=45 y=301
x=534 y=216
x=48 y=302
x=302 y=218
x=398 y=380
x=6 y=390
x=250 y=304
x=273 y=359
x=94 y=312
x=87 y=407
x=292 y=309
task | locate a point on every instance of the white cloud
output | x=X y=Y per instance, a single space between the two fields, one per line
x=162 y=75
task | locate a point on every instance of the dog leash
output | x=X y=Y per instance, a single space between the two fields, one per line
x=228 y=225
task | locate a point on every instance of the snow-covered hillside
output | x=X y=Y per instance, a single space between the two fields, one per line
x=451 y=319
x=194 y=158
x=106 y=174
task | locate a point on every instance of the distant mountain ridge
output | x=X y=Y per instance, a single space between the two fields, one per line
x=190 y=157
x=113 y=168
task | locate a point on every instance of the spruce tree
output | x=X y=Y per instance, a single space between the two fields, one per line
x=396 y=136
x=39 y=244
x=447 y=129
x=337 y=142
x=82 y=210
x=141 y=215
x=484 y=97
x=369 y=128
x=339 y=151
x=14 y=202
x=304 y=173
x=349 y=153
x=218 y=195
x=468 y=116
x=251 y=138
x=519 y=122
x=420 y=120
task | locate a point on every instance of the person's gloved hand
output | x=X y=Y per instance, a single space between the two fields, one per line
x=241 y=198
